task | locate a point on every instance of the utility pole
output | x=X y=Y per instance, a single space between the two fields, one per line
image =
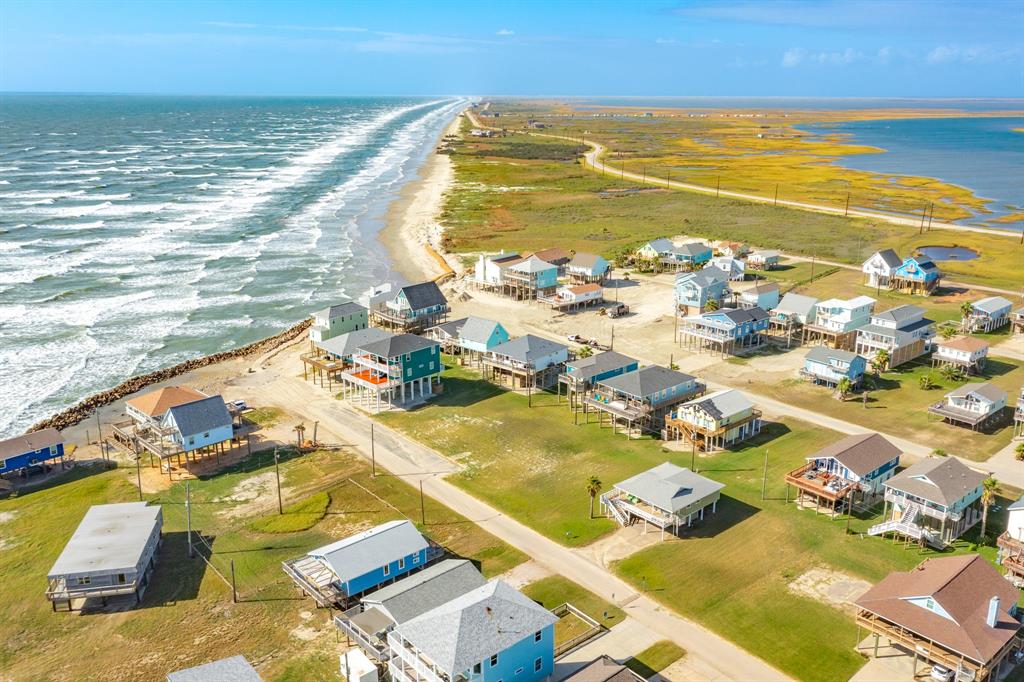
x=423 y=507
x=846 y=211
x=718 y=187
x=931 y=212
x=99 y=431
x=764 y=478
x=315 y=425
x=776 y=202
x=693 y=455
x=924 y=214
x=373 y=453
x=668 y=183
x=611 y=346
x=277 y=473
x=644 y=180
x=188 y=518
x=234 y=588
x=812 y=267
x=138 y=470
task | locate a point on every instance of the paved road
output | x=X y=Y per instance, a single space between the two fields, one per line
x=712 y=657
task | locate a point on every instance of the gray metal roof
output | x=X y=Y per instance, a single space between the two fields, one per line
x=662 y=245
x=347 y=308
x=234 y=669
x=584 y=260
x=528 y=348
x=533 y=264
x=724 y=403
x=586 y=368
x=345 y=345
x=199 y=416
x=669 y=487
x=890 y=258
x=796 y=304
x=691 y=248
x=30 y=442
x=359 y=554
x=704 y=277
x=475 y=626
x=396 y=345
x=992 y=304
x=433 y=586
x=646 y=380
x=900 y=313
x=110 y=539
x=943 y=480
x=767 y=253
x=989 y=392
x=423 y=295
x=823 y=354
x=478 y=329
x=861 y=453
x=739 y=315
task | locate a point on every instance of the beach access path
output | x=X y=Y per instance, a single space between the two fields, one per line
x=709 y=656
x=592 y=160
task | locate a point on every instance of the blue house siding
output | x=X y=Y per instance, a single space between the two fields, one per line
x=18 y=462
x=498 y=337
x=616 y=372
x=547 y=278
x=517 y=663
x=194 y=441
x=376 y=577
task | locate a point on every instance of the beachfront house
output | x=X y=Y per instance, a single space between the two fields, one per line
x=967 y=352
x=695 y=290
x=987 y=315
x=41 y=448
x=1018 y=416
x=200 y=425
x=393 y=371
x=763 y=295
x=111 y=554
x=575 y=296
x=149 y=409
x=376 y=296
x=727 y=330
x=489 y=272
x=879 y=268
x=639 y=400
x=735 y=268
x=833 y=476
x=666 y=496
x=664 y=252
x=654 y=251
x=556 y=256
x=331 y=357
x=526 y=362
x=232 y=669
x=581 y=374
x=791 y=314
x=530 y=278
x=413 y=309
x=829 y=366
x=972 y=405
x=916 y=276
x=954 y=612
x=764 y=260
x=903 y=332
x=587 y=268
x=339 y=573
x=491 y=634
x=731 y=249
x=934 y=500
x=1011 y=543
x=836 y=321
x=469 y=337
x=378 y=612
x=336 y=320
x=714 y=421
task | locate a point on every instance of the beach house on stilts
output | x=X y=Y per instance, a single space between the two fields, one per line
x=1011 y=543
x=412 y=309
x=639 y=400
x=714 y=421
x=395 y=371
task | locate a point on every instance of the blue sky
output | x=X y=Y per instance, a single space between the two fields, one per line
x=914 y=48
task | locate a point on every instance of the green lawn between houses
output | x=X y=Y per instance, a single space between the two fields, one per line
x=731 y=574
x=655 y=658
x=187 y=616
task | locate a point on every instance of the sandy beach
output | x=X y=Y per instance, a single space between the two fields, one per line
x=413 y=219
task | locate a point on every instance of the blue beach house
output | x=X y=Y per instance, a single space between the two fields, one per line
x=412 y=309
x=916 y=275
x=491 y=634
x=337 y=573
x=695 y=289
x=830 y=365
x=473 y=334
x=587 y=268
x=865 y=459
x=199 y=424
x=531 y=278
x=730 y=327
x=689 y=256
x=36 y=448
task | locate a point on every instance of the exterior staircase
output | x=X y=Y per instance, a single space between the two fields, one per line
x=616 y=513
x=906 y=525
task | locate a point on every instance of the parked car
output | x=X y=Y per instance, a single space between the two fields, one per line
x=941 y=673
x=239 y=405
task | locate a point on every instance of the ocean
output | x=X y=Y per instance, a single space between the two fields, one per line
x=137 y=232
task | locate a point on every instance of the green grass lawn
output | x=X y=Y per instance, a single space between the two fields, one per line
x=135 y=644
x=556 y=590
x=655 y=658
x=898 y=405
x=299 y=516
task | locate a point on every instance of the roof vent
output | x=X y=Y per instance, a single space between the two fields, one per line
x=490 y=611
x=993 y=612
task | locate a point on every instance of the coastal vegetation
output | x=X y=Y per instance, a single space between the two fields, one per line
x=275 y=629
x=504 y=201
x=754 y=547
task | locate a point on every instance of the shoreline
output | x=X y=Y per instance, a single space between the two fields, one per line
x=412 y=222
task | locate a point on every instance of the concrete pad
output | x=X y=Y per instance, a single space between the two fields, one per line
x=524 y=574
x=893 y=664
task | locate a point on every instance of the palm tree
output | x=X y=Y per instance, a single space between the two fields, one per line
x=593 y=489
x=966 y=310
x=880 y=361
x=711 y=305
x=1018 y=452
x=952 y=372
x=948 y=333
x=843 y=387
x=926 y=382
x=989 y=487
x=585 y=352
x=300 y=431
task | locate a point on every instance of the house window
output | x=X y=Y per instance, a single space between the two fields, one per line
x=431 y=366
x=401 y=563
x=408 y=357
x=519 y=671
x=191 y=440
x=537 y=665
x=206 y=435
x=408 y=372
x=415 y=558
x=122 y=579
x=494 y=660
x=476 y=669
x=84 y=580
x=537 y=635
x=387 y=569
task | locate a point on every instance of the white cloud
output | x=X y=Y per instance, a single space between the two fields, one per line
x=884 y=55
x=665 y=41
x=972 y=54
x=793 y=56
x=505 y=32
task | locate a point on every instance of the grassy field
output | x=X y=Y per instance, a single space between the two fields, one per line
x=285 y=637
x=655 y=658
x=897 y=404
x=556 y=590
x=731 y=574
x=509 y=196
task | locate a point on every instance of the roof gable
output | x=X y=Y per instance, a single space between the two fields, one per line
x=359 y=554
x=199 y=416
x=423 y=295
